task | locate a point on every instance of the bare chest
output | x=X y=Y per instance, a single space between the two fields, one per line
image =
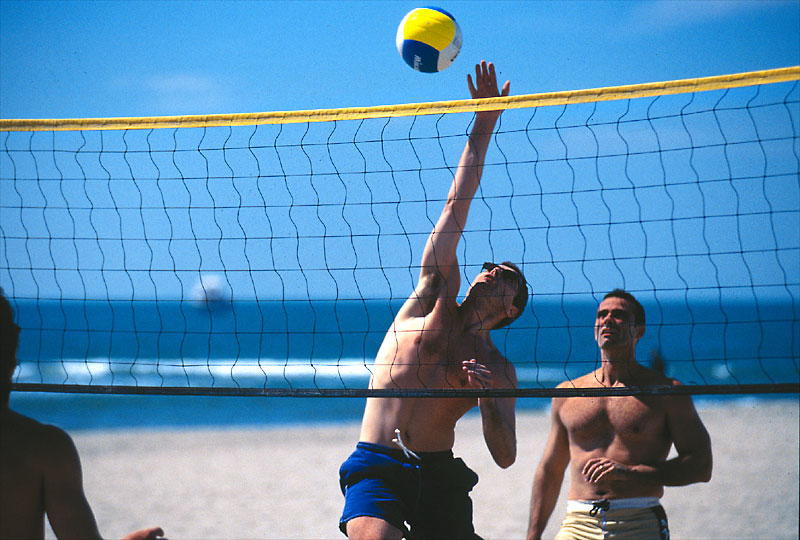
x=598 y=422
x=426 y=358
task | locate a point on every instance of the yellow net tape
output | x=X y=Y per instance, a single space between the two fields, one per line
x=413 y=109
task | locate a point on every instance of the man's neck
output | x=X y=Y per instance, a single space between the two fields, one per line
x=619 y=367
x=473 y=321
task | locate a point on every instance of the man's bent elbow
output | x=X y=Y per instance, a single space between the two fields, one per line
x=506 y=463
x=506 y=459
x=705 y=475
x=701 y=471
x=705 y=465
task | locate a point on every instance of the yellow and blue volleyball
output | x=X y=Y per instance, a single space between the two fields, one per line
x=428 y=39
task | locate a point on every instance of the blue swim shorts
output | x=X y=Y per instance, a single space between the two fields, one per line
x=428 y=497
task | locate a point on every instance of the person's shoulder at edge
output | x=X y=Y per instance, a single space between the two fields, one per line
x=49 y=448
x=25 y=426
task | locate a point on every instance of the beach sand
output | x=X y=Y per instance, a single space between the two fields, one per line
x=282 y=482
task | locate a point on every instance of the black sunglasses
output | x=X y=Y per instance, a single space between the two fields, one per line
x=506 y=273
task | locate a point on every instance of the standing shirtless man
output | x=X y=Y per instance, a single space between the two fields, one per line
x=403 y=479
x=617 y=446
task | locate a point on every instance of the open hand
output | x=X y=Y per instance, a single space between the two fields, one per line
x=486 y=82
x=478 y=376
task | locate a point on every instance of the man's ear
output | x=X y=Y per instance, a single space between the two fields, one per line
x=639 y=331
x=512 y=312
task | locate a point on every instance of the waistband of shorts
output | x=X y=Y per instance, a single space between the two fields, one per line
x=612 y=504
x=396 y=453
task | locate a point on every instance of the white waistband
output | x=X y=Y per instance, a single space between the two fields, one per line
x=613 y=504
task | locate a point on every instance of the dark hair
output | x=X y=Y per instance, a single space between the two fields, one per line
x=636 y=307
x=520 y=299
x=9 y=339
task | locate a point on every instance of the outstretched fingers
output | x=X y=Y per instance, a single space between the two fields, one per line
x=485 y=85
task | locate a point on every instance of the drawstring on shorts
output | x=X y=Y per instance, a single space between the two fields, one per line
x=603 y=505
x=399 y=442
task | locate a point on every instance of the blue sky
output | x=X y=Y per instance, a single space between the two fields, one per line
x=729 y=211
x=111 y=58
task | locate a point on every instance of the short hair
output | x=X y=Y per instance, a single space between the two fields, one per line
x=638 y=310
x=520 y=298
x=9 y=339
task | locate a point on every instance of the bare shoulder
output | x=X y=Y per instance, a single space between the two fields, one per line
x=678 y=402
x=650 y=377
x=35 y=437
x=653 y=378
x=589 y=380
x=432 y=286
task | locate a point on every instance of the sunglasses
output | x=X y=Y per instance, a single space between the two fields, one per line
x=506 y=273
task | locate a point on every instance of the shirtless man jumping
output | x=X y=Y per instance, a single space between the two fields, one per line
x=617 y=446
x=403 y=479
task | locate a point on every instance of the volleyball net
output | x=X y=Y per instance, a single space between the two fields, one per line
x=267 y=254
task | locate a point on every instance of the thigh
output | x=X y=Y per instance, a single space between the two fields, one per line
x=580 y=526
x=375 y=498
x=638 y=524
x=372 y=528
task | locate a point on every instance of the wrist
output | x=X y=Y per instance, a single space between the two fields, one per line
x=486 y=120
x=643 y=473
x=487 y=402
x=534 y=534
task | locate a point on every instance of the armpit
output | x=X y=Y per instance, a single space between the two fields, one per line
x=429 y=289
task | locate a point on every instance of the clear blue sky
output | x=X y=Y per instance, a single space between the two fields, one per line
x=109 y=59
x=151 y=58
x=112 y=58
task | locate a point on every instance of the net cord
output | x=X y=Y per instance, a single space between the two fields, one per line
x=681 y=86
x=708 y=389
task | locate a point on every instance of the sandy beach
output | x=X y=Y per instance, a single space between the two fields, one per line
x=282 y=482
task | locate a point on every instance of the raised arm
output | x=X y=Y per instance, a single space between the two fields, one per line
x=439 y=273
x=549 y=475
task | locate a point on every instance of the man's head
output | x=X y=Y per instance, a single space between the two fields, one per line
x=620 y=320
x=507 y=286
x=9 y=339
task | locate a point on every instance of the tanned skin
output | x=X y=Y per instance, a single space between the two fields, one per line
x=434 y=342
x=40 y=470
x=617 y=447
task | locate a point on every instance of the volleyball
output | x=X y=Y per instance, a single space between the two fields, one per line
x=428 y=39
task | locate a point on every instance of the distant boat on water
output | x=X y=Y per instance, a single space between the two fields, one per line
x=210 y=289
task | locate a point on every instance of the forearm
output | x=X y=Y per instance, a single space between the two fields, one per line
x=70 y=516
x=470 y=167
x=546 y=487
x=499 y=431
x=441 y=247
x=678 y=471
x=474 y=155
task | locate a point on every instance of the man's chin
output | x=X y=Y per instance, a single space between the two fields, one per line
x=609 y=343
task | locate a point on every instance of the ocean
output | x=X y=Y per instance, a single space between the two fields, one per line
x=330 y=344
